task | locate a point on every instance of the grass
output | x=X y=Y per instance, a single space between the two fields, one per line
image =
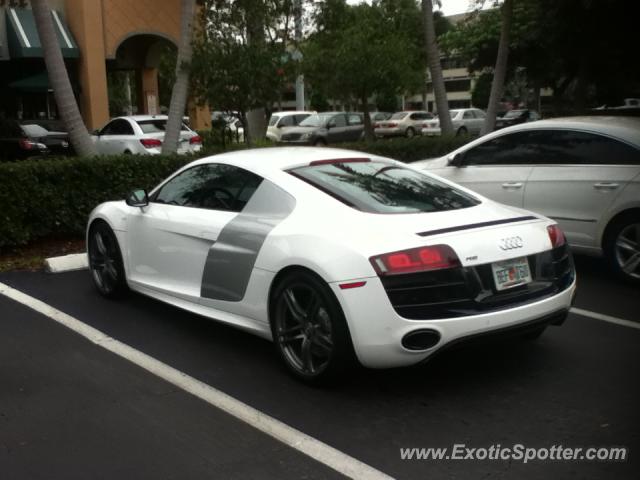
x=31 y=257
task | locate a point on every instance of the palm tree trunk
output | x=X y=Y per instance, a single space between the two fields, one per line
x=500 y=72
x=433 y=60
x=369 y=133
x=181 y=87
x=59 y=80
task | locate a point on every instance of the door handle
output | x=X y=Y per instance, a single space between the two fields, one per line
x=512 y=185
x=606 y=186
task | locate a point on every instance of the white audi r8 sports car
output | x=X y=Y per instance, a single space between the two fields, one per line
x=335 y=255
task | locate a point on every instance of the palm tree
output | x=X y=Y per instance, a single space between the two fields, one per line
x=59 y=80
x=180 y=88
x=499 y=73
x=433 y=60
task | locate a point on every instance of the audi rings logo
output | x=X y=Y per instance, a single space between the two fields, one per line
x=510 y=243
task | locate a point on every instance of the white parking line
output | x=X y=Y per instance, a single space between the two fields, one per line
x=319 y=451
x=605 y=318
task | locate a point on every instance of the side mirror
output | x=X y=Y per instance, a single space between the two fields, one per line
x=137 y=198
x=457 y=160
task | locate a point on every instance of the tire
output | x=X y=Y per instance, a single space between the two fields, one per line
x=410 y=133
x=321 y=142
x=126 y=152
x=622 y=247
x=105 y=261
x=534 y=334
x=309 y=330
x=462 y=131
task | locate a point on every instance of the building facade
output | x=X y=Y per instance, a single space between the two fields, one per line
x=97 y=37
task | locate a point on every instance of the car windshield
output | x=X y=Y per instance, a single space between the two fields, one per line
x=381 y=187
x=398 y=116
x=156 y=126
x=317 y=120
x=273 y=120
x=33 y=130
x=514 y=113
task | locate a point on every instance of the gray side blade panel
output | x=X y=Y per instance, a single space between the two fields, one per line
x=233 y=255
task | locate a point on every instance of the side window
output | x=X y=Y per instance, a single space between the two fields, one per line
x=581 y=148
x=299 y=118
x=512 y=149
x=338 y=121
x=118 y=127
x=468 y=114
x=479 y=113
x=211 y=186
x=355 y=119
x=287 y=121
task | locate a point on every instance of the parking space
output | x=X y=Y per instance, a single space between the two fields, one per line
x=575 y=386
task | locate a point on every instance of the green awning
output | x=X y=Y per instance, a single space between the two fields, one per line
x=23 y=38
x=34 y=84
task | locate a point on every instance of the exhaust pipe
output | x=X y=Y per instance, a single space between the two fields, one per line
x=422 y=339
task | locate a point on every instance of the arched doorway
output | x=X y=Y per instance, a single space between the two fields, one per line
x=139 y=77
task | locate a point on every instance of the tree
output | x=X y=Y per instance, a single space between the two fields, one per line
x=360 y=51
x=240 y=58
x=500 y=70
x=180 y=88
x=435 y=68
x=59 y=80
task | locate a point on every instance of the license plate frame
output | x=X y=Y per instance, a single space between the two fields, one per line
x=511 y=273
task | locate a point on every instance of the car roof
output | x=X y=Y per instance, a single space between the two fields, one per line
x=292 y=112
x=624 y=128
x=273 y=159
x=142 y=118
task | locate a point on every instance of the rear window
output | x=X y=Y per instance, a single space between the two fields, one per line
x=380 y=187
x=157 y=126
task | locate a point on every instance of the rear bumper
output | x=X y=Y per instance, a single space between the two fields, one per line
x=430 y=132
x=377 y=330
x=389 y=132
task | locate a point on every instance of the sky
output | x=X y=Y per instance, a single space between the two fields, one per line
x=449 y=7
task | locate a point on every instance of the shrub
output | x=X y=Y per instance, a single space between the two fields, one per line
x=39 y=198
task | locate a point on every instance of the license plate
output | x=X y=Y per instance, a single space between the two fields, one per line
x=511 y=273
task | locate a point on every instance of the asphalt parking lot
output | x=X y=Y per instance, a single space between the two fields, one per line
x=70 y=409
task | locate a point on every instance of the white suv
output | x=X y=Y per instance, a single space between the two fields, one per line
x=583 y=172
x=280 y=120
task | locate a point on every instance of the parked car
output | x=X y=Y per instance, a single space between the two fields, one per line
x=515 y=117
x=377 y=117
x=18 y=142
x=406 y=124
x=234 y=129
x=279 y=121
x=335 y=255
x=583 y=172
x=141 y=134
x=326 y=128
x=466 y=121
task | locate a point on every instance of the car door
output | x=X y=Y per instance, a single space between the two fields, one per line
x=477 y=121
x=337 y=128
x=113 y=138
x=577 y=177
x=497 y=168
x=355 y=127
x=170 y=239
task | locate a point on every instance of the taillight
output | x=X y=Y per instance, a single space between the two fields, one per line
x=150 y=142
x=421 y=259
x=26 y=144
x=197 y=140
x=393 y=125
x=376 y=125
x=556 y=236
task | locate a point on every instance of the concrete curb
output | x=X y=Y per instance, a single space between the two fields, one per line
x=66 y=263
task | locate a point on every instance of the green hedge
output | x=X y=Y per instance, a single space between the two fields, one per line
x=54 y=196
